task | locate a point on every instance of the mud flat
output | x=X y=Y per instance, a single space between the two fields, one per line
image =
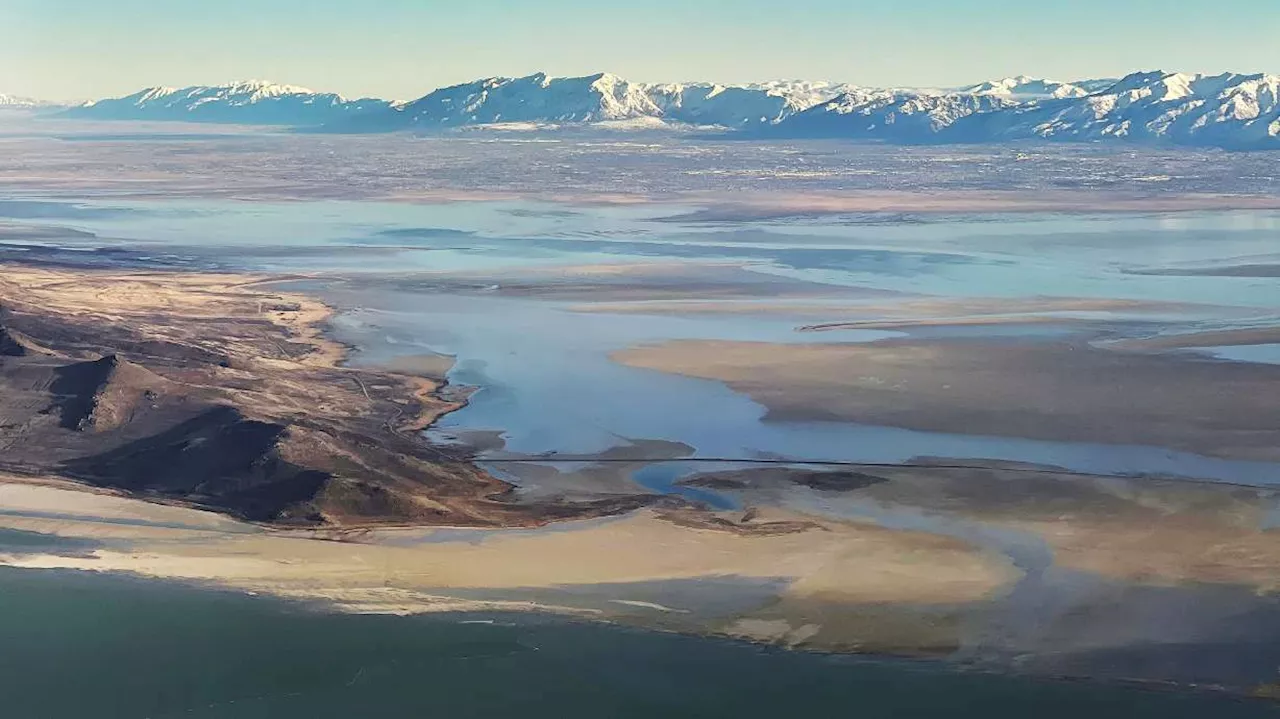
x=904 y=310
x=1139 y=530
x=202 y=428
x=1060 y=391
x=1243 y=337
x=1145 y=578
x=999 y=567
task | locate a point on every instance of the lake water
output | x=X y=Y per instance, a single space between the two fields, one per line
x=1264 y=353
x=83 y=645
x=544 y=379
x=484 y=282
x=1011 y=255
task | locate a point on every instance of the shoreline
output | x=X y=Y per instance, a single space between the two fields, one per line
x=246 y=387
x=203 y=558
x=492 y=616
x=297 y=633
x=915 y=561
x=364 y=573
x=1067 y=390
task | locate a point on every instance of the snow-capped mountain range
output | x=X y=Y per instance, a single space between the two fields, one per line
x=13 y=102
x=1228 y=110
x=254 y=102
x=1032 y=88
x=597 y=98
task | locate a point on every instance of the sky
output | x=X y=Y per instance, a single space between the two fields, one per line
x=402 y=49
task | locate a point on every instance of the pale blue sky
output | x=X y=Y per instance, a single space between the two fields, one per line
x=79 y=49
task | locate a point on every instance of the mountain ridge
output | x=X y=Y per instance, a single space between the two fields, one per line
x=1226 y=110
x=245 y=101
x=16 y=102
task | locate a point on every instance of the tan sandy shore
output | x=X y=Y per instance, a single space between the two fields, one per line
x=77 y=503
x=842 y=564
x=799 y=574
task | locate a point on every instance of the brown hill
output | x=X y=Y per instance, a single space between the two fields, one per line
x=207 y=390
x=219 y=459
x=13 y=344
x=104 y=394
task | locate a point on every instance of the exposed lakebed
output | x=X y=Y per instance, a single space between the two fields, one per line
x=531 y=300
x=535 y=309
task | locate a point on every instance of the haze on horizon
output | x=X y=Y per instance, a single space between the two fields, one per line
x=401 y=49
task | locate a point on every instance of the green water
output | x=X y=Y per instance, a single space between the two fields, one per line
x=87 y=646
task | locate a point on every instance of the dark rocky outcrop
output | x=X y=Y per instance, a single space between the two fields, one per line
x=192 y=393
x=105 y=393
x=12 y=344
x=219 y=458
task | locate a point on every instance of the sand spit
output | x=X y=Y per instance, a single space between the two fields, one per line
x=605 y=569
x=1061 y=391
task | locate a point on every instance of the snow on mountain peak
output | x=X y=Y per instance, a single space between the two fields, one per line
x=259 y=89
x=605 y=79
x=1026 y=87
x=1224 y=110
x=13 y=102
x=245 y=101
